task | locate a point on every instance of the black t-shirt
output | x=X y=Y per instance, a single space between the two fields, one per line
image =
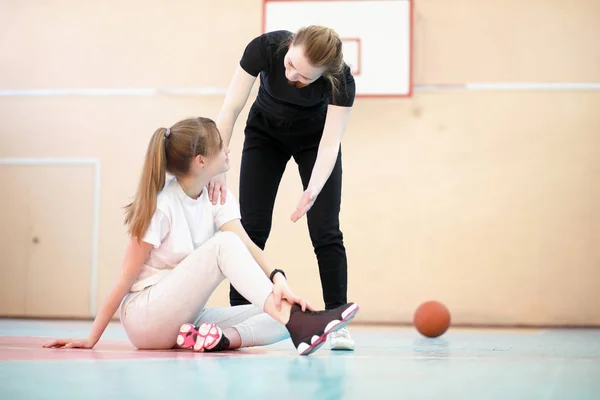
x=276 y=97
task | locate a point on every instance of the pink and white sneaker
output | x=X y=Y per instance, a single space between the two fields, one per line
x=206 y=337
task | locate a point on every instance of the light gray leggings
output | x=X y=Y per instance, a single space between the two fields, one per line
x=152 y=317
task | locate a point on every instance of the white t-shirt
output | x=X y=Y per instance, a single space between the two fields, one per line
x=180 y=225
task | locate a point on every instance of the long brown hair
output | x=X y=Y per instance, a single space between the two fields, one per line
x=170 y=150
x=322 y=48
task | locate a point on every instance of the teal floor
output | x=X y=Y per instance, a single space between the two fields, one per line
x=387 y=364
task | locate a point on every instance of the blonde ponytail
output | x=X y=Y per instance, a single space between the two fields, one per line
x=139 y=212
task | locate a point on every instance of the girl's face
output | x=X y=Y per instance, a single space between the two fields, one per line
x=298 y=71
x=214 y=165
x=218 y=163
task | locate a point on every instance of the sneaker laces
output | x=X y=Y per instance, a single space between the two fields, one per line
x=343 y=333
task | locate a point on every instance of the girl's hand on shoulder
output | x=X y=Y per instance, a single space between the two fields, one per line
x=217 y=187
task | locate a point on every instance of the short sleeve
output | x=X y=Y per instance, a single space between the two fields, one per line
x=256 y=58
x=226 y=212
x=346 y=91
x=158 y=229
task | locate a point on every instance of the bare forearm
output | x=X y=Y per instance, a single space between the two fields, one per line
x=265 y=264
x=261 y=259
x=235 y=99
x=106 y=312
x=225 y=123
x=329 y=147
x=326 y=159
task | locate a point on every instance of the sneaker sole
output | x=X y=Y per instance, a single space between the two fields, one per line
x=342 y=348
x=203 y=332
x=318 y=341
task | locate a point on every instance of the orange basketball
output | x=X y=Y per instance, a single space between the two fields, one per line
x=432 y=319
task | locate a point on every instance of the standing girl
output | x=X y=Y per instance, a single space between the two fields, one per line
x=304 y=100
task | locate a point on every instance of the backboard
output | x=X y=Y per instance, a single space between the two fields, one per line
x=376 y=36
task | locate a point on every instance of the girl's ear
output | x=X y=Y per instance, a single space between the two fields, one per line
x=199 y=160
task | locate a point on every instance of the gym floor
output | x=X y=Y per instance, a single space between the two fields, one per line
x=389 y=363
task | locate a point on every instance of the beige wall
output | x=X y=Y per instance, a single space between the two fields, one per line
x=487 y=201
x=460 y=41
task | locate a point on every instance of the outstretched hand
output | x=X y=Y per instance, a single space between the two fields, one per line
x=70 y=344
x=306 y=202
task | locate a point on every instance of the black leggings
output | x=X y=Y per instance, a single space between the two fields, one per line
x=268 y=146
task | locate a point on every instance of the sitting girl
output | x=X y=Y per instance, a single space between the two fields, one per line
x=182 y=247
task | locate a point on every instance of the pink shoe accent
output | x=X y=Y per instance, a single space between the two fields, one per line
x=206 y=336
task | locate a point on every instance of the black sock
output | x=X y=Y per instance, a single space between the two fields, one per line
x=222 y=345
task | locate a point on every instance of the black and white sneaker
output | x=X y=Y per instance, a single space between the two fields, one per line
x=309 y=330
